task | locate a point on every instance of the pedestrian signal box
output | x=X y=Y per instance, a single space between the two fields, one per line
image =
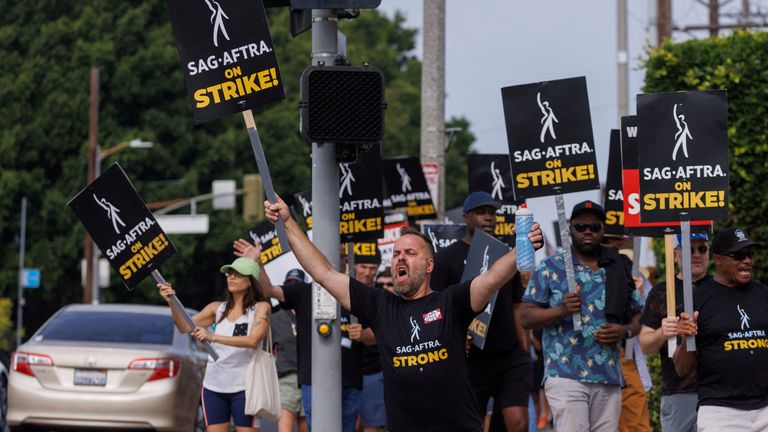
x=342 y=104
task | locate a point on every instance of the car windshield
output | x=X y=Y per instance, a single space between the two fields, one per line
x=117 y=327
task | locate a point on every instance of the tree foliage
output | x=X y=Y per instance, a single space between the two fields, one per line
x=48 y=48
x=736 y=63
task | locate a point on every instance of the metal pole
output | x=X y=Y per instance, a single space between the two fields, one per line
x=685 y=245
x=326 y=350
x=622 y=58
x=433 y=96
x=565 y=239
x=20 y=292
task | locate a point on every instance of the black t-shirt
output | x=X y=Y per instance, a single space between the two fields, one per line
x=370 y=363
x=656 y=310
x=449 y=266
x=422 y=350
x=283 y=325
x=298 y=296
x=731 y=345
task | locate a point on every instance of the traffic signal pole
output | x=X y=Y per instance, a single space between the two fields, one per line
x=326 y=350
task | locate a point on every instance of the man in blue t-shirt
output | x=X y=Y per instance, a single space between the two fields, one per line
x=582 y=369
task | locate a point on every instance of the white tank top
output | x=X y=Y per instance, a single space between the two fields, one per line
x=227 y=374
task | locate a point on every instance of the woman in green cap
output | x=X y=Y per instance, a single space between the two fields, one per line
x=240 y=323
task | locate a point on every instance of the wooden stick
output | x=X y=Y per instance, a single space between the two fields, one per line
x=669 y=264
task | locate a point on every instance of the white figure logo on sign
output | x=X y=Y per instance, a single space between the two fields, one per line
x=346 y=180
x=433 y=237
x=112 y=212
x=682 y=135
x=404 y=178
x=306 y=206
x=217 y=19
x=484 y=268
x=498 y=182
x=548 y=119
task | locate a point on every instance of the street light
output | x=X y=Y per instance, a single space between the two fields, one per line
x=92 y=254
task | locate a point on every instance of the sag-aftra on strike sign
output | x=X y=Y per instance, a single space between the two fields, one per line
x=683 y=155
x=549 y=131
x=227 y=56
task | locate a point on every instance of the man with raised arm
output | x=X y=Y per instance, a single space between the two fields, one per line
x=420 y=333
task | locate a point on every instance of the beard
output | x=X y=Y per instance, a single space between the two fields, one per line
x=587 y=249
x=411 y=286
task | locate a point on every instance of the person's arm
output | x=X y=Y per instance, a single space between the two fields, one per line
x=482 y=287
x=533 y=316
x=204 y=318
x=522 y=334
x=651 y=339
x=684 y=360
x=259 y=329
x=613 y=333
x=243 y=248
x=360 y=334
x=310 y=258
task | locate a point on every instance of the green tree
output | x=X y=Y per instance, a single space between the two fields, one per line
x=48 y=48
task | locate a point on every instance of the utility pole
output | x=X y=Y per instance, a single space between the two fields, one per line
x=93 y=131
x=745 y=13
x=714 y=18
x=622 y=58
x=326 y=349
x=433 y=138
x=664 y=20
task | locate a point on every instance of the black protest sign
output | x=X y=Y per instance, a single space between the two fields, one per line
x=227 y=55
x=683 y=155
x=505 y=224
x=407 y=187
x=483 y=252
x=303 y=206
x=360 y=197
x=613 y=200
x=443 y=235
x=266 y=234
x=122 y=227
x=366 y=252
x=393 y=223
x=631 y=188
x=549 y=131
x=491 y=173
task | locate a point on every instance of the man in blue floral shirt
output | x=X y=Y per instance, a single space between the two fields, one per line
x=582 y=369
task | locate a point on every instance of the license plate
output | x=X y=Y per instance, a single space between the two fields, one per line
x=91 y=377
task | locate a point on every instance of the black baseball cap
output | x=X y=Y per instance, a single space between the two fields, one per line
x=480 y=199
x=731 y=240
x=297 y=274
x=588 y=207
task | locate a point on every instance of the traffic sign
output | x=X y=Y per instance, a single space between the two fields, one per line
x=30 y=278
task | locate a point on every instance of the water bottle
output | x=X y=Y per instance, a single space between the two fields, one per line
x=523 y=246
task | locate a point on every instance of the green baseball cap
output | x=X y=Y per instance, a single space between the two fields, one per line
x=244 y=266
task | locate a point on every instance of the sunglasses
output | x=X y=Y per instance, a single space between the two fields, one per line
x=233 y=273
x=701 y=249
x=581 y=227
x=740 y=255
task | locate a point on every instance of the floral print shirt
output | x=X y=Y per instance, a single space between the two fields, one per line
x=569 y=353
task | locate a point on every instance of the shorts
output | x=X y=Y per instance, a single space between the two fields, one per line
x=219 y=407
x=290 y=394
x=505 y=376
x=372 y=408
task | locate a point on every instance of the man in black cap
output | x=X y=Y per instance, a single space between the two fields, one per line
x=730 y=325
x=503 y=368
x=582 y=369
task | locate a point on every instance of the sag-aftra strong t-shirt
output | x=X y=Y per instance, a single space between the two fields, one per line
x=732 y=345
x=422 y=350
